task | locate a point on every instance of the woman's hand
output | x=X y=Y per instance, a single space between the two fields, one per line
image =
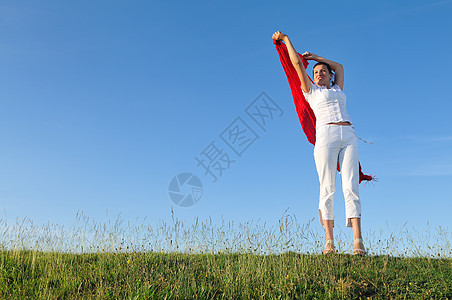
x=278 y=35
x=309 y=56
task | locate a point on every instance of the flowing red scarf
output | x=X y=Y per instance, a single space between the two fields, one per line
x=304 y=111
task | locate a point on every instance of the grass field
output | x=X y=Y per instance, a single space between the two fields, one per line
x=49 y=275
x=207 y=261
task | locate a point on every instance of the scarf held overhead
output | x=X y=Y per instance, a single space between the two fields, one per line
x=304 y=111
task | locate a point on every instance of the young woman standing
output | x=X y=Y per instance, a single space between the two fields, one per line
x=336 y=141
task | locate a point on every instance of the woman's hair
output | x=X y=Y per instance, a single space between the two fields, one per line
x=328 y=67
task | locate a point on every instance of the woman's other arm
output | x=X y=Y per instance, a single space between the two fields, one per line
x=336 y=67
x=296 y=61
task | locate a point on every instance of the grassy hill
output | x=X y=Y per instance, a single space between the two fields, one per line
x=217 y=260
x=149 y=275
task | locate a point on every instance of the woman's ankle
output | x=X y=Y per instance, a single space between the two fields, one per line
x=329 y=244
x=358 y=243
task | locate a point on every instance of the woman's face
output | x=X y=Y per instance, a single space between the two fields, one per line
x=322 y=76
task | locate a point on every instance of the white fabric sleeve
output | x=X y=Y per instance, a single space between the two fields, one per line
x=307 y=96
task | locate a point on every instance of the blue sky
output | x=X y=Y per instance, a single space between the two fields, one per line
x=104 y=102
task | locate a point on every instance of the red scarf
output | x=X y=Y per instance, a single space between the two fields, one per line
x=304 y=111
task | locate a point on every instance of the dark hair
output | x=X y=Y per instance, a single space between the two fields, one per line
x=328 y=67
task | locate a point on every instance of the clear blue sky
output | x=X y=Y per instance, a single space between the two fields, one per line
x=104 y=102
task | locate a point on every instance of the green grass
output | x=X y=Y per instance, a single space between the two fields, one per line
x=49 y=275
x=217 y=260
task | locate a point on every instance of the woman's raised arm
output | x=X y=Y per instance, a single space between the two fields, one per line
x=296 y=61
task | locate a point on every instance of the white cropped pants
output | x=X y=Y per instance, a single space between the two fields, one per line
x=337 y=143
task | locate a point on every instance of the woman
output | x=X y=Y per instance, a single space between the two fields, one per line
x=336 y=142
